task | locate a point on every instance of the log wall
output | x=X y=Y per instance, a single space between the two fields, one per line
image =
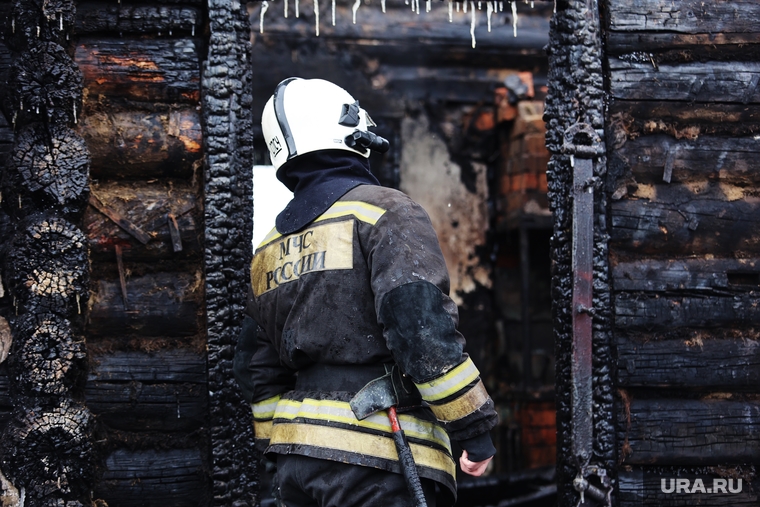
x=147 y=382
x=685 y=253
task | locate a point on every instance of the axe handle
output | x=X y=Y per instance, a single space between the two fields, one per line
x=406 y=460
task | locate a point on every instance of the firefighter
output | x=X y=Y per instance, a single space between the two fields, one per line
x=349 y=285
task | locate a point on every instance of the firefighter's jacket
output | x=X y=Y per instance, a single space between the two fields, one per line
x=362 y=286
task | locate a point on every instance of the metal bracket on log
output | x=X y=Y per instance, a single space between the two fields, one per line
x=583 y=144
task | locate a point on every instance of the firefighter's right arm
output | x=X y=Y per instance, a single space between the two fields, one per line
x=261 y=377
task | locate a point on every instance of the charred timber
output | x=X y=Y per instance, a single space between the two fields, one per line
x=155 y=478
x=700 y=362
x=689 y=432
x=97 y=17
x=31 y=22
x=162 y=391
x=688 y=275
x=136 y=144
x=625 y=43
x=159 y=305
x=687 y=16
x=147 y=206
x=149 y=70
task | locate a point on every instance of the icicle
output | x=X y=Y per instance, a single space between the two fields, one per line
x=264 y=7
x=355 y=8
x=79 y=308
x=479 y=5
x=37 y=110
x=285 y=7
x=38 y=31
x=316 y=16
x=298 y=14
x=472 y=24
x=406 y=2
x=489 y=11
x=170 y=32
x=60 y=22
x=501 y=6
x=514 y=18
x=21 y=104
x=13 y=24
x=192 y=32
x=417 y=2
x=333 y=11
x=19 y=201
x=382 y=3
x=428 y=6
x=555 y=6
x=75 y=113
x=532 y=4
x=451 y=11
x=15 y=115
x=572 y=161
x=464 y=7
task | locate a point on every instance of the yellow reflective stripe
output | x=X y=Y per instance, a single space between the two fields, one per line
x=361 y=210
x=265 y=409
x=271 y=236
x=463 y=405
x=366 y=444
x=450 y=382
x=262 y=429
x=340 y=412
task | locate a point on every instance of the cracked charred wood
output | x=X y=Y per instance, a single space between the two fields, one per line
x=47 y=267
x=149 y=70
x=6 y=402
x=160 y=305
x=687 y=119
x=97 y=17
x=48 y=168
x=47 y=359
x=642 y=486
x=158 y=391
x=48 y=452
x=155 y=478
x=711 y=81
x=702 y=359
x=680 y=221
x=32 y=21
x=666 y=431
x=140 y=144
x=689 y=16
x=45 y=85
x=687 y=275
x=146 y=205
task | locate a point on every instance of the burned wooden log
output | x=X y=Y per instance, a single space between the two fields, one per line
x=681 y=220
x=158 y=391
x=46 y=85
x=160 y=305
x=155 y=478
x=48 y=359
x=150 y=70
x=139 y=144
x=95 y=17
x=48 y=452
x=689 y=432
x=6 y=402
x=147 y=206
x=688 y=16
x=35 y=20
x=700 y=360
x=47 y=268
x=689 y=275
x=48 y=168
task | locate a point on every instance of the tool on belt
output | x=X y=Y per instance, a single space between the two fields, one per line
x=389 y=392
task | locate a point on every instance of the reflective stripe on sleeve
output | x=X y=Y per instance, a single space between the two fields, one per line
x=450 y=382
x=366 y=444
x=461 y=406
x=340 y=412
x=262 y=430
x=264 y=410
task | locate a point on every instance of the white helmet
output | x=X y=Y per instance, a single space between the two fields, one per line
x=306 y=115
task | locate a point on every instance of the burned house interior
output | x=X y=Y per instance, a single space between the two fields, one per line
x=588 y=166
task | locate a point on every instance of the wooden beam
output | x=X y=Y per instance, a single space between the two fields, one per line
x=712 y=81
x=136 y=143
x=688 y=432
x=155 y=478
x=699 y=363
x=687 y=275
x=161 y=305
x=620 y=43
x=660 y=312
x=96 y=17
x=685 y=16
x=139 y=391
x=686 y=119
x=119 y=220
x=149 y=70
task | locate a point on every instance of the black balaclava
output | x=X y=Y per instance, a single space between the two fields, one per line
x=317 y=180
